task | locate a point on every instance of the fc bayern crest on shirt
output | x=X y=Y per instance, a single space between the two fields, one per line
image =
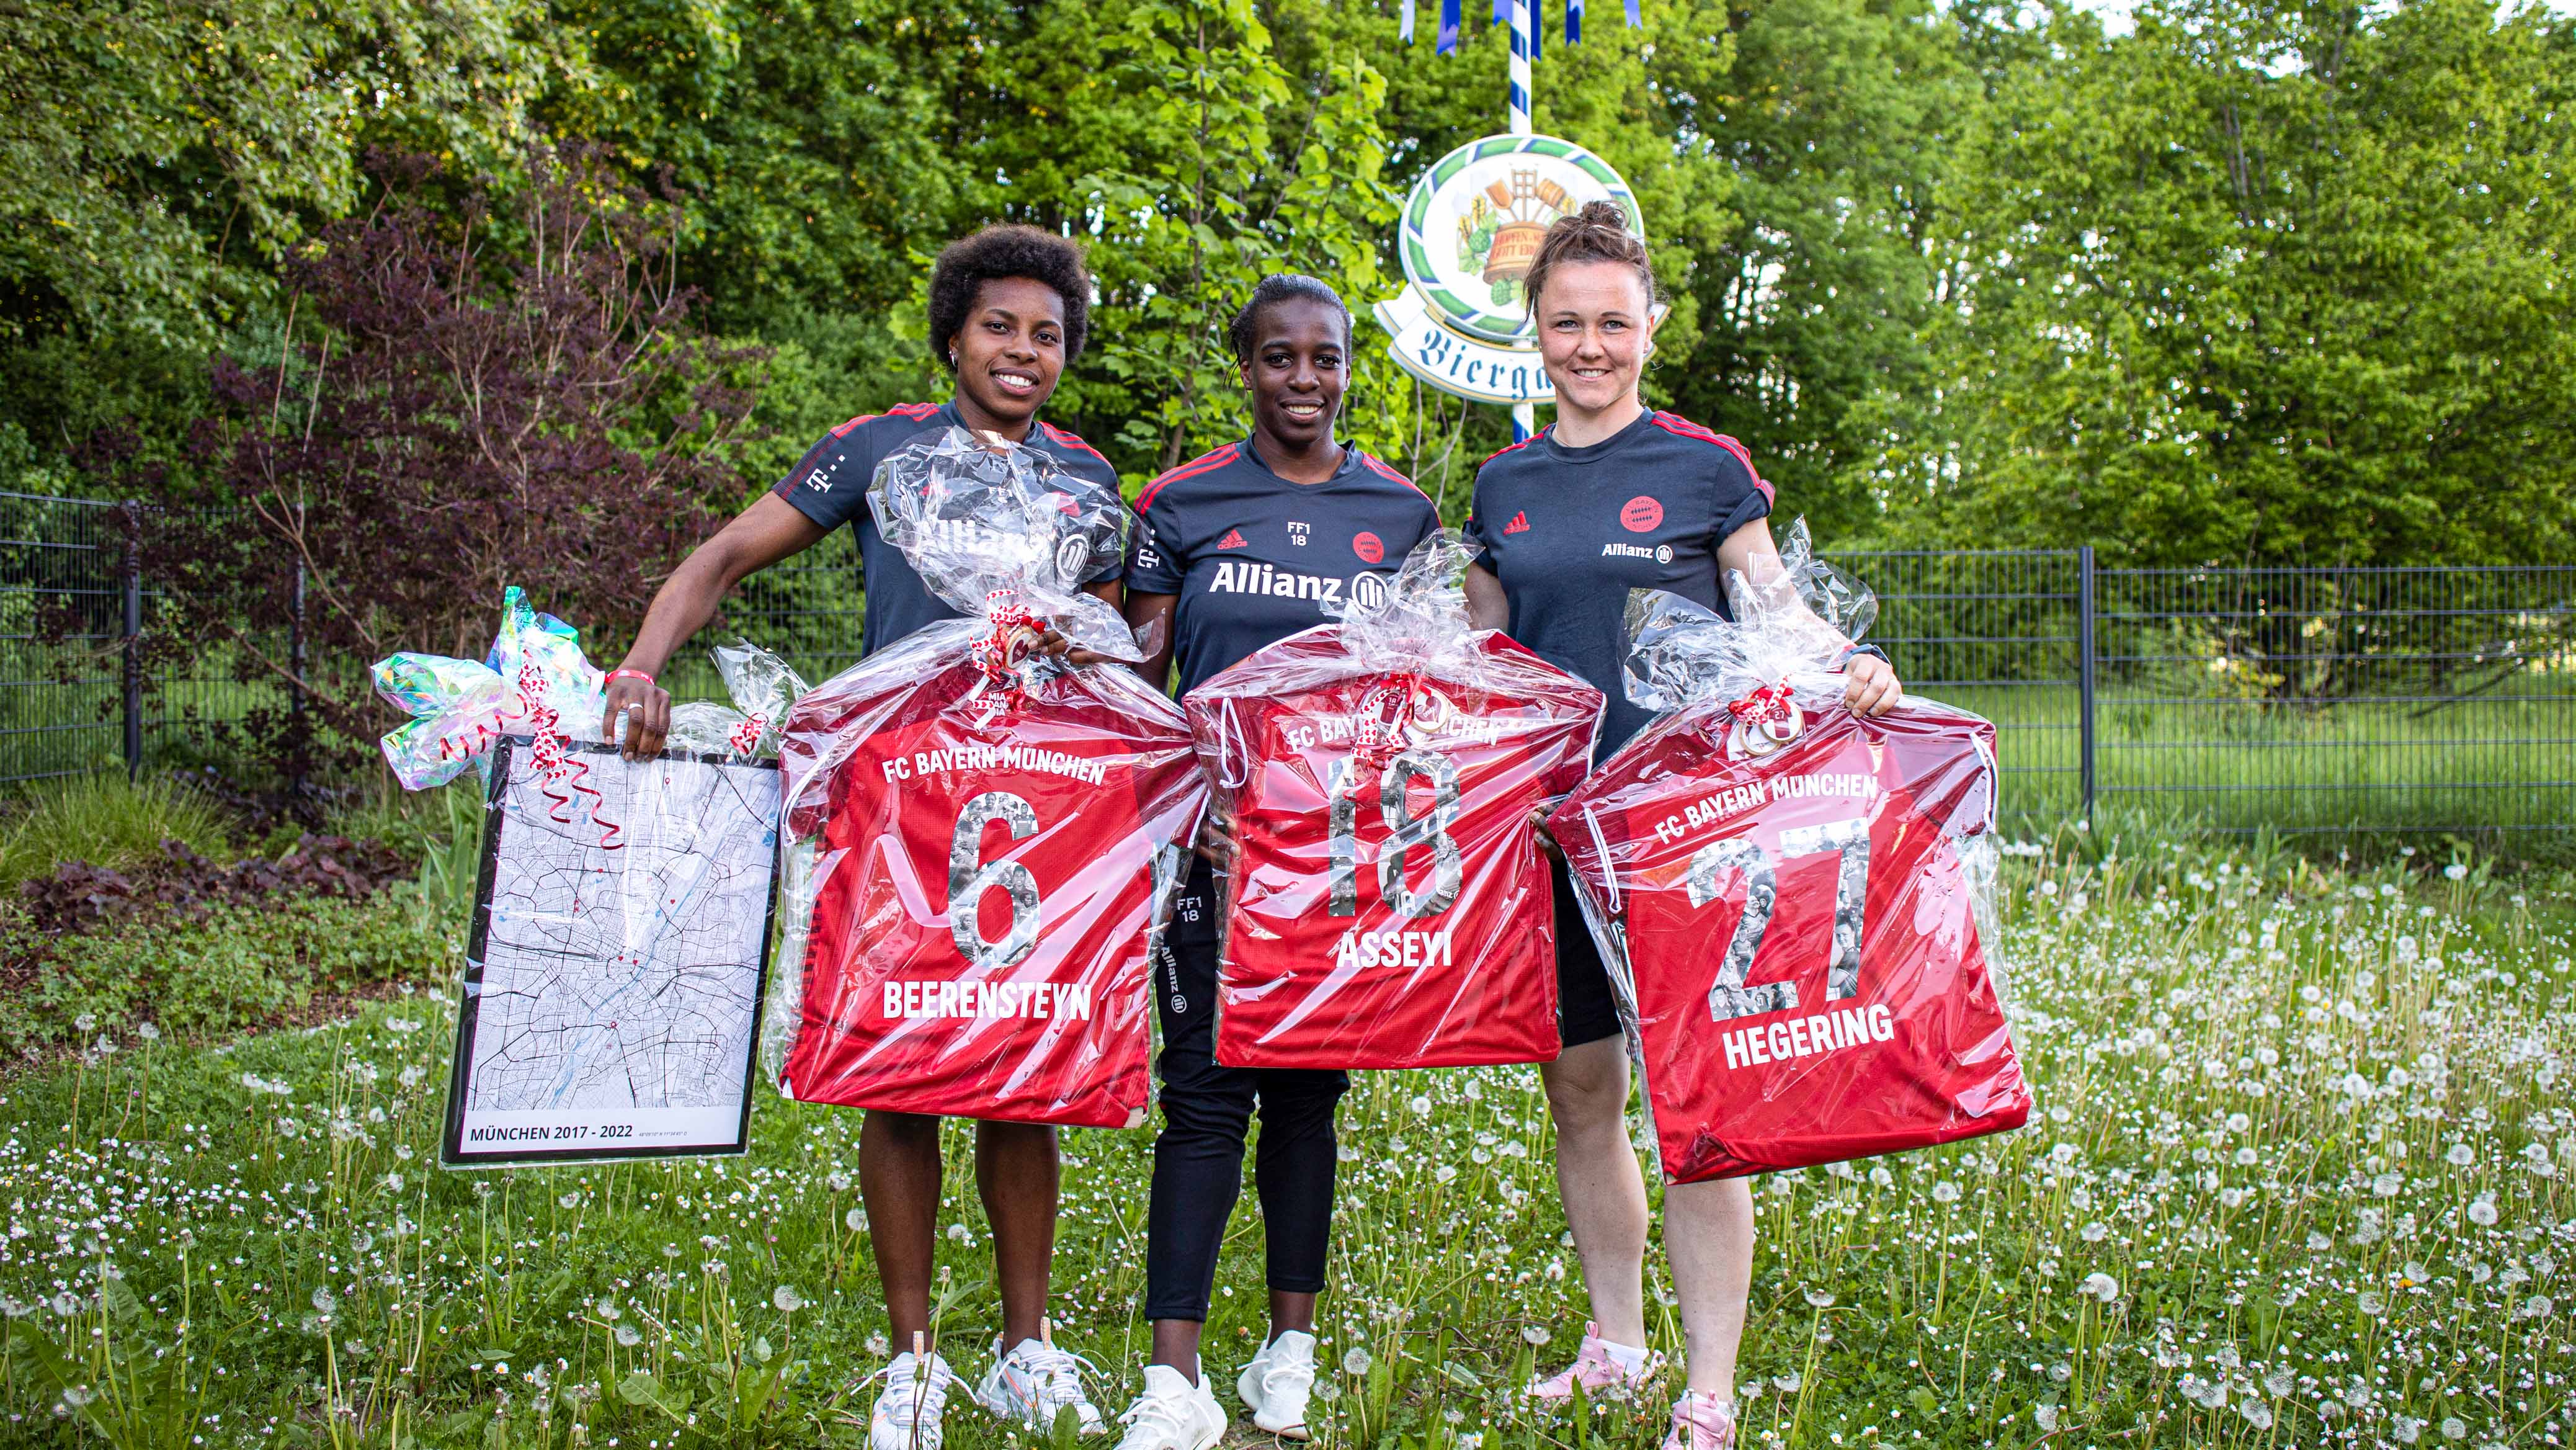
x=1471 y=228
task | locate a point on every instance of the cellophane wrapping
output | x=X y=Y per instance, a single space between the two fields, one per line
x=1383 y=900
x=983 y=840
x=762 y=687
x=1795 y=902
x=535 y=682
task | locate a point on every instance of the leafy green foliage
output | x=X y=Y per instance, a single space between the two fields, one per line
x=109 y=823
x=2263 y=283
x=226 y=969
x=157 y=159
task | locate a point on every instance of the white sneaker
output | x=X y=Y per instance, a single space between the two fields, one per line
x=1275 y=1385
x=1036 y=1382
x=908 y=1408
x=1172 y=1413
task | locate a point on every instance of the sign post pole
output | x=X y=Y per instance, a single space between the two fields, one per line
x=1524 y=414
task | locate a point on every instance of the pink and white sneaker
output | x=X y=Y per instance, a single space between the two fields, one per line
x=1701 y=1422
x=1603 y=1373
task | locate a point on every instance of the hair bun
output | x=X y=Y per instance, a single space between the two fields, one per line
x=1602 y=212
x=1595 y=232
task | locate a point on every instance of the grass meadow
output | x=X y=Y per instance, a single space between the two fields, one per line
x=2299 y=1175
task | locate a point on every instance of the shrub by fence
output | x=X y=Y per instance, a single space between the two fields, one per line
x=2351 y=701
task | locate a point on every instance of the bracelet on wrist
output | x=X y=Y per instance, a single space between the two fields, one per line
x=615 y=675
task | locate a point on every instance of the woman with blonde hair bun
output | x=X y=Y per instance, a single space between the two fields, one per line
x=1615 y=496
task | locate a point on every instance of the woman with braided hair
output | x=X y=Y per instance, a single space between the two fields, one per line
x=1233 y=551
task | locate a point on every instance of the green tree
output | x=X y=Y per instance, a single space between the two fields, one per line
x=158 y=159
x=2266 y=283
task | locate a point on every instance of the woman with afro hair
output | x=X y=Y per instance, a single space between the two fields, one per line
x=1009 y=307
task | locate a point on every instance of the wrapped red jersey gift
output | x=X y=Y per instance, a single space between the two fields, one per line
x=1384 y=902
x=1793 y=900
x=983 y=840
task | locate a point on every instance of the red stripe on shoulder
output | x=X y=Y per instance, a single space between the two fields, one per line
x=1510 y=448
x=1682 y=427
x=1386 y=470
x=1069 y=440
x=1205 y=462
x=899 y=410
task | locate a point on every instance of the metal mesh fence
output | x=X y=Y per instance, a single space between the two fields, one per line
x=2392 y=701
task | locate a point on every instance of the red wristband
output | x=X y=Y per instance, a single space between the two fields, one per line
x=616 y=675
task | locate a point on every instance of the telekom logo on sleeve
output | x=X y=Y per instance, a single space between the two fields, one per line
x=1641 y=513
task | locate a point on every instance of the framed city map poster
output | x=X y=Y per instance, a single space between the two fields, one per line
x=614 y=969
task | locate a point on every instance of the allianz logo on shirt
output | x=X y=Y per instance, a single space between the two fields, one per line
x=1251 y=577
x=1660 y=553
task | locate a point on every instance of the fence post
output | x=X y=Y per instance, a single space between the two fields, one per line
x=2084 y=676
x=131 y=639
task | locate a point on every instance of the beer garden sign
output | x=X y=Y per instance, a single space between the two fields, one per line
x=1470 y=230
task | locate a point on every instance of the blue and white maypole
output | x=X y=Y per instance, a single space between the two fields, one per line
x=1472 y=224
x=1524 y=415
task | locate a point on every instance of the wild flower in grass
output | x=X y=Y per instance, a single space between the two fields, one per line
x=1356 y=1360
x=1421 y=1105
x=877 y=1346
x=2482 y=1211
x=1820 y=1299
x=628 y=1335
x=787 y=1299
x=2045 y=1416
x=2101 y=1286
x=857 y=1219
x=959 y=1234
x=1536 y=1334
x=1945 y=1191
x=2454 y=1428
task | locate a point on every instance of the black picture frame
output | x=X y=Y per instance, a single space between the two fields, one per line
x=469 y=991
